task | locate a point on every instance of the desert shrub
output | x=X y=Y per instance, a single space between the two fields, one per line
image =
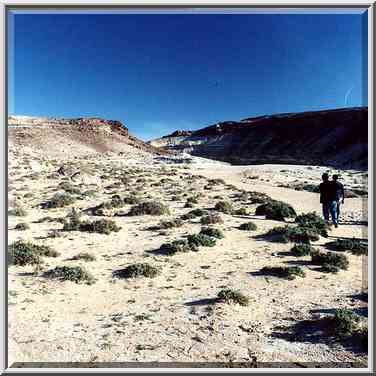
x=84 y=256
x=249 y=226
x=312 y=220
x=177 y=246
x=233 y=296
x=22 y=226
x=197 y=240
x=101 y=226
x=70 y=273
x=163 y=225
x=345 y=322
x=224 y=207
x=302 y=249
x=137 y=270
x=149 y=208
x=73 y=221
x=213 y=232
x=216 y=181
x=59 y=200
x=330 y=261
x=24 y=253
x=54 y=234
x=288 y=272
x=18 y=211
x=211 y=219
x=355 y=246
x=293 y=234
x=276 y=210
x=89 y=193
x=258 y=197
x=192 y=200
x=116 y=202
x=193 y=214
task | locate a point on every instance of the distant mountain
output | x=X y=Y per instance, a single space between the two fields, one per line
x=332 y=137
x=77 y=136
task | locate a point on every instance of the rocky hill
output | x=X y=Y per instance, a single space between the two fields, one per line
x=332 y=137
x=80 y=136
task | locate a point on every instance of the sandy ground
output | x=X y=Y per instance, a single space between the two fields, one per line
x=174 y=317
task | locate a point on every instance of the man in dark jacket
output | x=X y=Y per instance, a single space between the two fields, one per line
x=340 y=193
x=328 y=199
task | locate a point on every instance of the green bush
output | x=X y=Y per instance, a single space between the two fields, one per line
x=249 y=226
x=69 y=188
x=74 y=221
x=102 y=226
x=22 y=226
x=137 y=270
x=84 y=256
x=70 y=273
x=293 y=234
x=233 y=296
x=177 y=246
x=163 y=225
x=197 y=240
x=224 y=207
x=59 y=200
x=355 y=246
x=276 y=210
x=312 y=220
x=213 y=232
x=24 y=253
x=288 y=272
x=330 y=261
x=211 y=219
x=301 y=249
x=241 y=211
x=149 y=208
x=193 y=214
x=345 y=322
x=131 y=200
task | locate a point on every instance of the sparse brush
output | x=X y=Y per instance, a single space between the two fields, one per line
x=74 y=221
x=355 y=246
x=197 y=240
x=330 y=260
x=84 y=256
x=137 y=270
x=213 y=232
x=177 y=246
x=131 y=200
x=249 y=226
x=192 y=200
x=288 y=272
x=75 y=274
x=59 y=200
x=18 y=211
x=345 y=322
x=177 y=222
x=69 y=188
x=301 y=249
x=22 y=226
x=258 y=197
x=211 y=219
x=312 y=220
x=233 y=296
x=276 y=210
x=149 y=208
x=101 y=226
x=193 y=214
x=224 y=207
x=216 y=182
x=293 y=234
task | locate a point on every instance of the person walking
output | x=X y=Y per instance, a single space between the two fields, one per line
x=328 y=199
x=340 y=194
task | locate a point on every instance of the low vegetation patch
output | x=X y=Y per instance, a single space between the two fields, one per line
x=59 y=200
x=233 y=296
x=276 y=210
x=22 y=226
x=224 y=207
x=102 y=226
x=176 y=246
x=193 y=214
x=295 y=234
x=355 y=246
x=330 y=261
x=75 y=274
x=213 y=232
x=197 y=240
x=149 y=208
x=137 y=270
x=84 y=256
x=313 y=221
x=164 y=225
x=288 y=272
x=301 y=249
x=211 y=219
x=249 y=226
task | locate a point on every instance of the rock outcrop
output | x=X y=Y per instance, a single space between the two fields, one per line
x=332 y=137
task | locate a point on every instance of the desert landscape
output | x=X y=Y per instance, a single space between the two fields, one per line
x=126 y=251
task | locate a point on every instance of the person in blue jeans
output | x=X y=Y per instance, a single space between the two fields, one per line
x=328 y=199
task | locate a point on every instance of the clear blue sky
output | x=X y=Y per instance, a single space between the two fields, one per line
x=161 y=72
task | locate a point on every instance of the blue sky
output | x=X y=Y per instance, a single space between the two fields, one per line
x=161 y=72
